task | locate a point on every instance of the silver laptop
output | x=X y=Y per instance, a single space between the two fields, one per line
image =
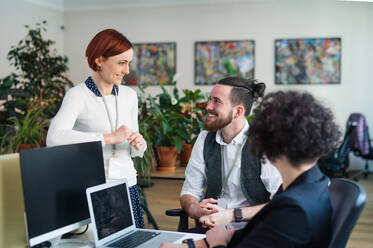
x=113 y=221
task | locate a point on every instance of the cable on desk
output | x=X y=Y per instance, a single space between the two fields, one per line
x=68 y=235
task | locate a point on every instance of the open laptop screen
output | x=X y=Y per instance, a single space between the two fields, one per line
x=111 y=209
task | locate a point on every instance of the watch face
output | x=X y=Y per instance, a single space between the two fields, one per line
x=237 y=214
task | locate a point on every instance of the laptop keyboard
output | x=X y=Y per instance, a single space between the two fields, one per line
x=135 y=239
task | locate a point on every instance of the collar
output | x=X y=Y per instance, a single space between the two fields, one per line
x=236 y=140
x=93 y=87
x=312 y=175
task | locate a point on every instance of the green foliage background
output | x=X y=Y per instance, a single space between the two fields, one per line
x=38 y=82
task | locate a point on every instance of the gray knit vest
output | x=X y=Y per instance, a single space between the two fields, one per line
x=252 y=186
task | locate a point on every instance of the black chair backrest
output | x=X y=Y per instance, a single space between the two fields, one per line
x=348 y=199
x=338 y=160
x=343 y=150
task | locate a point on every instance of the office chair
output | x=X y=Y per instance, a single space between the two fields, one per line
x=366 y=171
x=183 y=221
x=337 y=162
x=360 y=143
x=347 y=199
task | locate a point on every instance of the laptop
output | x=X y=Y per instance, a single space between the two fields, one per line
x=113 y=222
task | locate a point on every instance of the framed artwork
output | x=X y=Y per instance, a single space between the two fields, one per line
x=153 y=63
x=308 y=61
x=215 y=60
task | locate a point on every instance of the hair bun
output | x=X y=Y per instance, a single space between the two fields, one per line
x=258 y=89
x=254 y=87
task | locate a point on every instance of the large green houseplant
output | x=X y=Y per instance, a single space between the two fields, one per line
x=144 y=164
x=168 y=127
x=38 y=76
x=169 y=121
x=27 y=133
x=193 y=108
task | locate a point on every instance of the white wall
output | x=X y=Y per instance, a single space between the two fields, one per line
x=262 y=21
x=14 y=14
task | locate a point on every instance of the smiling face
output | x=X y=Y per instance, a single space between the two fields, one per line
x=219 y=108
x=113 y=68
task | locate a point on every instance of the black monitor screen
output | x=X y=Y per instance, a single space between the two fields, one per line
x=54 y=183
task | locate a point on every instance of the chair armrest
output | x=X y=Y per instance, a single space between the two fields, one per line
x=176 y=212
x=183 y=222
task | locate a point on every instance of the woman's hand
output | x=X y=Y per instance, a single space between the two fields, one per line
x=137 y=141
x=124 y=133
x=120 y=135
x=172 y=245
x=219 y=235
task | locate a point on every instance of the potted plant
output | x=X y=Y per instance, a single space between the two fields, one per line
x=193 y=104
x=144 y=164
x=38 y=76
x=28 y=133
x=169 y=129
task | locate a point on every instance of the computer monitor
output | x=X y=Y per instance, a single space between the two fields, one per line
x=54 y=182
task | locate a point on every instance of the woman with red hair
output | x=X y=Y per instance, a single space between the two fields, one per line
x=101 y=109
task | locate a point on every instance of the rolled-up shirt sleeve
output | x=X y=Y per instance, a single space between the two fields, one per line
x=195 y=176
x=271 y=177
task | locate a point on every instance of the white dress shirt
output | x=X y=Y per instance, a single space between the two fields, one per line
x=83 y=118
x=195 y=176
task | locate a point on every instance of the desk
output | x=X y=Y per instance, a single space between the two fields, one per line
x=89 y=235
x=178 y=174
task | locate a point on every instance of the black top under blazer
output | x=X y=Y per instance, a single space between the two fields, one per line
x=300 y=216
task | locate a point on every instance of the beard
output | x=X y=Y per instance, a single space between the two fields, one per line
x=219 y=122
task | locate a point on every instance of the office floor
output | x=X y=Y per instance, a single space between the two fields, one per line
x=165 y=195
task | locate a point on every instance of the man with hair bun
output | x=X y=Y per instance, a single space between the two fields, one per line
x=222 y=170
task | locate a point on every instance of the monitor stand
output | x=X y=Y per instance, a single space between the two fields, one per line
x=72 y=243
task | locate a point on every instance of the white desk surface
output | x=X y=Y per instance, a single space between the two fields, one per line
x=89 y=235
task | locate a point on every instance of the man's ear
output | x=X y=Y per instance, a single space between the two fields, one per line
x=240 y=111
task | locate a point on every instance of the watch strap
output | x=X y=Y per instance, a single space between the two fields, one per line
x=189 y=242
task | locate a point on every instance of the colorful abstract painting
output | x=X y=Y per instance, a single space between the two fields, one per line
x=308 y=61
x=153 y=63
x=215 y=60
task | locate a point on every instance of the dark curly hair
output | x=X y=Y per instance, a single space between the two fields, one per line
x=244 y=91
x=295 y=125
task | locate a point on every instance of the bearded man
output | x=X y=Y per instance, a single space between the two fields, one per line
x=235 y=184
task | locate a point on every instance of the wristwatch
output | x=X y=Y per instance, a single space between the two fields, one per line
x=237 y=212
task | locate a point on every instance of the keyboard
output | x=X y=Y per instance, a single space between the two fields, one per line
x=135 y=239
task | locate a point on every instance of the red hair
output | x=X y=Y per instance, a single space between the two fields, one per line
x=106 y=43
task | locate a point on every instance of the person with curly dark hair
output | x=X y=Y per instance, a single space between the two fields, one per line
x=301 y=129
x=293 y=131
